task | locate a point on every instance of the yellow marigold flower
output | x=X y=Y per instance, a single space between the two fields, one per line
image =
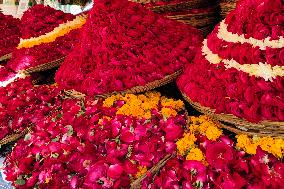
x=213 y=132
x=185 y=143
x=168 y=112
x=243 y=141
x=141 y=171
x=195 y=154
x=109 y=101
x=250 y=149
x=47 y=179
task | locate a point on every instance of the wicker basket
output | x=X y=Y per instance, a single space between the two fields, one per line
x=148 y=87
x=5 y=57
x=192 y=4
x=45 y=66
x=226 y=7
x=154 y=170
x=13 y=137
x=241 y=126
x=134 y=90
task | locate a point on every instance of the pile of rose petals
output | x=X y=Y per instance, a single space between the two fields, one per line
x=125 y=45
x=229 y=90
x=88 y=144
x=10 y=34
x=38 y=21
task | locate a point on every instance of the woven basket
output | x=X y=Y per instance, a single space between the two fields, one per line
x=227 y=7
x=241 y=126
x=45 y=66
x=5 y=57
x=13 y=137
x=193 y=4
x=148 y=87
x=134 y=90
x=154 y=170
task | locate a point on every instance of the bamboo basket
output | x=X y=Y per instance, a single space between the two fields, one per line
x=241 y=126
x=192 y=4
x=13 y=137
x=134 y=90
x=226 y=7
x=148 y=87
x=45 y=66
x=154 y=170
x=5 y=57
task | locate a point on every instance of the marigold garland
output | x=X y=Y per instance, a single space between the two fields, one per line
x=59 y=31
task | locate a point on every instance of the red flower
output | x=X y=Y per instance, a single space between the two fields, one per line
x=219 y=155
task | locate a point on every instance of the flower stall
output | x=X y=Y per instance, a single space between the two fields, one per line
x=129 y=94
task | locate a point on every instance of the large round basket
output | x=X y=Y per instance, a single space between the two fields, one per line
x=134 y=90
x=241 y=126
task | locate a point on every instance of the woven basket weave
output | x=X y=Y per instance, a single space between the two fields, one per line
x=148 y=87
x=192 y=4
x=241 y=126
x=13 y=137
x=5 y=57
x=226 y=7
x=46 y=66
x=154 y=170
x=138 y=89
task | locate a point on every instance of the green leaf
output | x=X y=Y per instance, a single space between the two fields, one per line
x=70 y=130
x=55 y=139
x=20 y=182
x=27 y=137
x=54 y=155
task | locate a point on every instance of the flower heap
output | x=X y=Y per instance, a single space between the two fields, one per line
x=47 y=35
x=97 y=144
x=23 y=105
x=125 y=45
x=239 y=69
x=208 y=159
x=10 y=34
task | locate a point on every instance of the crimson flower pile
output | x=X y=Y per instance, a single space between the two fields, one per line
x=38 y=21
x=23 y=105
x=88 y=144
x=10 y=33
x=227 y=168
x=242 y=78
x=125 y=45
x=212 y=160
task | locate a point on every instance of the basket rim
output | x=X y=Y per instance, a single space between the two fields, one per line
x=14 y=137
x=45 y=66
x=240 y=125
x=134 y=90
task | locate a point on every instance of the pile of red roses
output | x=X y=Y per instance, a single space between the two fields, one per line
x=23 y=105
x=232 y=91
x=226 y=167
x=38 y=21
x=257 y=20
x=87 y=145
x=10 y=33
x=125 y=45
